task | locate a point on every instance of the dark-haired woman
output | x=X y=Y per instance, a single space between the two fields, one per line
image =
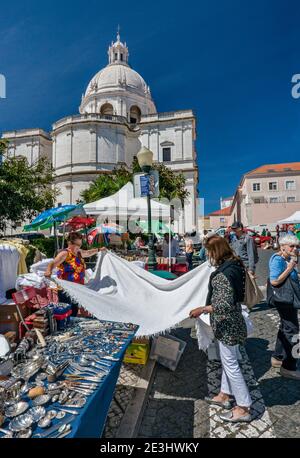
x=225 y=295
x=71 y=265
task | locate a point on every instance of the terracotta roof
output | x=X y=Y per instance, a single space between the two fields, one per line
x=224 y=212
x=276 y=168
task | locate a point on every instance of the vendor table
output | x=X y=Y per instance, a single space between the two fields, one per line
x=90 y=419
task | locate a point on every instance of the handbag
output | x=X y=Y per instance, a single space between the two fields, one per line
x=282 y=294
x=253 y=294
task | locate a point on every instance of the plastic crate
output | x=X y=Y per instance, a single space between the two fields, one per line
x=137 y=352
x=167 y=350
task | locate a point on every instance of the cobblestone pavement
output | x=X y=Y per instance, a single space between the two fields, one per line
x=128 y=378
x=176 y=407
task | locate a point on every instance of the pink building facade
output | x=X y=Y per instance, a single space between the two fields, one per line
x=264 y=196
x=267 y=194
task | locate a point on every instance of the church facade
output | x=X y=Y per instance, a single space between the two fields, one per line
x=117 y=116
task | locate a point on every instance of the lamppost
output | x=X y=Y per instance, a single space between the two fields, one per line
x=145 y=160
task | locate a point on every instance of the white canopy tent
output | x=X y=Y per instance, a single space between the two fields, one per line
x=293 y=219
x=122 y=204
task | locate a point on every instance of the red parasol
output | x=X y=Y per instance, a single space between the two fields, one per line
x=80 y=222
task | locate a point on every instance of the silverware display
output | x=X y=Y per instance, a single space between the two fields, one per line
x=71 y=367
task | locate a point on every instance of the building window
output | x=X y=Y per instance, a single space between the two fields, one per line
x=135 y=114
x=166 y=154
x=291 y=199
x=290 y=185
x=107 y=110
x=273 y=200
x=256 y=186
x=222 y=220
x=258 y=200
x=272 y=185
x=121 y=57
x=116 y=56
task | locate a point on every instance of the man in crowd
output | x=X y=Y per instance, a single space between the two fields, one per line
x=244 y=246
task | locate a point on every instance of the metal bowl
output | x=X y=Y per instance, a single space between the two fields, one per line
x=37 y=413
x=16 y=409
x=44 y=422
x=20 y=423
x=24 y=434
x=41 y=400
x=51 y=414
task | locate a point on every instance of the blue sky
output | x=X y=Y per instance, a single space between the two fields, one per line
x=231 y=61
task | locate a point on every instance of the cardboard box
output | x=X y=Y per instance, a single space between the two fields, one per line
x=9 y=317
x=138 y=352
x=167 y=350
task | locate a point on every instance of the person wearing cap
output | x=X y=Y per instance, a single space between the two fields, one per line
x=244 y=247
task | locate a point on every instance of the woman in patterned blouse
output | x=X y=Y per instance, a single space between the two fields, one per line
x=71 y=266
x=225 y=295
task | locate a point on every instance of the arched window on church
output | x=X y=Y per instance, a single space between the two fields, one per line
x=135 y=114
x=107 y=110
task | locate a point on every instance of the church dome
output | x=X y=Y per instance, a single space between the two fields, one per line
x=117 y=81
x=117 y=76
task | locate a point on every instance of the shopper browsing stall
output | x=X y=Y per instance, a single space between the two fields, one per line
x=225 y=294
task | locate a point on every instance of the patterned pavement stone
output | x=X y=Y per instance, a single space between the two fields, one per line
x=128 y=378
x=176 y=406
x=176 y=399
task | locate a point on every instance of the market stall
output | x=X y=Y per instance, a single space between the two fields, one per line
x=63 y=384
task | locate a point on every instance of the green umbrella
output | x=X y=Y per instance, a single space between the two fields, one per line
x=158 y=227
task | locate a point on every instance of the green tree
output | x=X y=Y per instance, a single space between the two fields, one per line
x=25 y=190
x=171 y=184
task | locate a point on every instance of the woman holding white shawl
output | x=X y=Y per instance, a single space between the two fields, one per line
x=225 y=295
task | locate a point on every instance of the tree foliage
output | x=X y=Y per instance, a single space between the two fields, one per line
x=171 y=184
x=25 y=190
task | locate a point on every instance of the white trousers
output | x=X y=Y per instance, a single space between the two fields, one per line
x=233 y=382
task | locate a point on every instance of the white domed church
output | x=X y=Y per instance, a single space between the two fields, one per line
x=117 y=116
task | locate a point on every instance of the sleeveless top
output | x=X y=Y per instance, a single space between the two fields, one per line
x=73 y=268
